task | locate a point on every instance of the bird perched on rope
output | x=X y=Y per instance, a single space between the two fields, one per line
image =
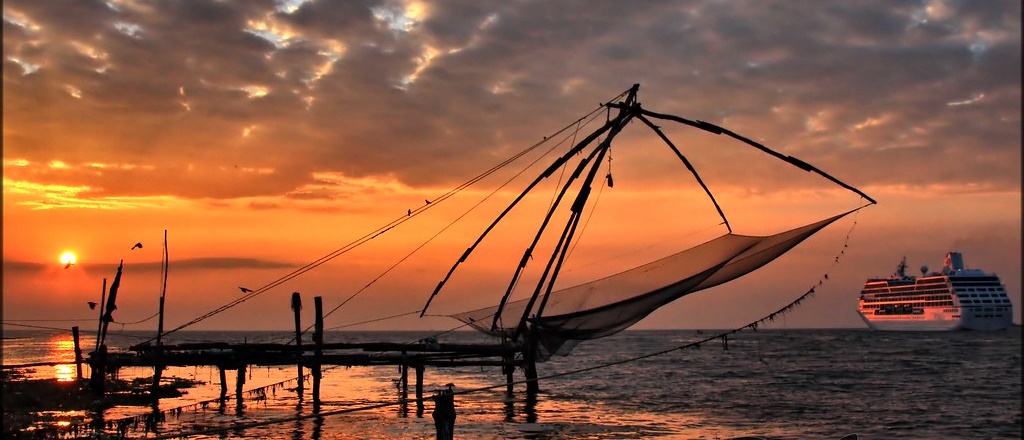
x=137 y=245
x=244 y=290
x=428 y=201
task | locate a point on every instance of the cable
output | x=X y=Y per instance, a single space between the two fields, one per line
x=696 y=344
x=377 y=232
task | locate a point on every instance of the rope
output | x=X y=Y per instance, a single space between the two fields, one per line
x=137 y=322
x=457 y=219
x=723 y=336
x=344 y=249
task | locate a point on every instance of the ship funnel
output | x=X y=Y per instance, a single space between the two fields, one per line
x=954 y=262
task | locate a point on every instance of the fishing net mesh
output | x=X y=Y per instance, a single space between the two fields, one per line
x=606 y=306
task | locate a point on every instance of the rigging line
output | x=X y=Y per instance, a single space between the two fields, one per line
x=367 y=322
x=377 y=232
x=590 y=215
x=47 y=320
x=561 y=174
x=528 y=254
x=696 y=344
x=621 y=120
x=558 y=162
x=442 y=230
x=689 y=166
x=578 y=205
x=712 y=128
x=62 y=330
x=137 y=322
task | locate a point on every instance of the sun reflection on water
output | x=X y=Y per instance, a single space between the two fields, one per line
x=64 y=373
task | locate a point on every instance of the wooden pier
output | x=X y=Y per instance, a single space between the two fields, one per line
x=233 y=356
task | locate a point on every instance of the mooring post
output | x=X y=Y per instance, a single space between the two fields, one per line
x=99 y=370
x=530 y=365
x=223 y=383
x=404 y=368
x=419 y=389
x=508 y=367
x=158 y=366
x=239 y=383
x=318 y=349
x=78 y=353
x=296 y=307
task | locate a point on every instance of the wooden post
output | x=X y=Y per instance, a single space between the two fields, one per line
x=78 y=353
x=405 y=378
x=99 y=370
x=103 y=302
x=530 y=365
x=508 y=368
x=158 y=367
x=296 y=307
x=239 y=383
x=318 y=351
x=419 y=390
x=223 y=383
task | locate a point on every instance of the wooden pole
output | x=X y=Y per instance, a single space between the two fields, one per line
x=158 y=368
x=223 y=383
x=239 y=384
x=318 y=341
x=530 y=365
x=103 y=302
x=405 y=378
x=296 y=307
x=419 y=390
x=508 y=368
x=78 y=353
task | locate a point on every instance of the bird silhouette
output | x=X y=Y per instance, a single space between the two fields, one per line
x=92 y=305
x=137 y=245
x=410 y=212
x=244 y=290
x=67 y=265
x=428 y=201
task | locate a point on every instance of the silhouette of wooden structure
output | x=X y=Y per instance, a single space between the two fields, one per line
x=240 y=356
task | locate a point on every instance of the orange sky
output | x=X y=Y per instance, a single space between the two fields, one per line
x=263 y=138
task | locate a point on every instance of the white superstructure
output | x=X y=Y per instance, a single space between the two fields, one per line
x=956 y=298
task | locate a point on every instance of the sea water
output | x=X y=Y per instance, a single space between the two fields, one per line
x=780 y=384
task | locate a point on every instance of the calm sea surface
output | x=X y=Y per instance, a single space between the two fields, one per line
x=781 y=384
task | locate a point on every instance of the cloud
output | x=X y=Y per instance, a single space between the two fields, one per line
x=191 y=93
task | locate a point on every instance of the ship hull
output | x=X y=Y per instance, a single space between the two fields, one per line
x=937 y=322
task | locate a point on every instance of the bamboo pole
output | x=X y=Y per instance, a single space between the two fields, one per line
x=223 y=383
x=296 y=307
x=78 y=353
x=239 y=385
x=318 y=341
x=419 y=389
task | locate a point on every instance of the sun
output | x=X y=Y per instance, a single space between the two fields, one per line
x=68 y=258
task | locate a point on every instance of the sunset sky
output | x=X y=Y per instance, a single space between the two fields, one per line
x=264 y=135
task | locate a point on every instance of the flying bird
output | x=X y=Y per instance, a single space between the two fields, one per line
x=244 y=290
x=137 y=245
x=92 y=305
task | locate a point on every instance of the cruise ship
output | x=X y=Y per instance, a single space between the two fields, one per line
x=956 y=298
